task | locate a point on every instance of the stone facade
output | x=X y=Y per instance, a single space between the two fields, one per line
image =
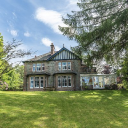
x=51 y=73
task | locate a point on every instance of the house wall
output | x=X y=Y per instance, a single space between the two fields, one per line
x=51 y=67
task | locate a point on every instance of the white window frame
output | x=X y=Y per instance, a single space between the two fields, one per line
x=34 y=67
x=68 y=81
x=38 y=66
x=39 y=82
x=59 y=78
x=64 y=80
x=43 y=66
x=31 y=81
x=64 y=65
x=59 y=65
x=68 y=63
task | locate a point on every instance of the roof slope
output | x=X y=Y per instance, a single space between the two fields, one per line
x=62 y=54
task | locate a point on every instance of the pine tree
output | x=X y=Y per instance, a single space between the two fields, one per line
x=100 y=28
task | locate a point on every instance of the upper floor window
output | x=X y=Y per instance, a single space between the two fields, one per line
x=59 y=66
x=34 y=67
x=64 y=65
x=69 y=66
x=38 y=67
x=42 y=67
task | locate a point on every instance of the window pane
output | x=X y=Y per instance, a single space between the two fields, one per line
x=106 y=80
x=38 y=67
x=36 y=82
x=69 y=65
x=59 y=66
x=31 y=82
x=96 y=81
x=69 y=81
x=34 y=67
x=64 y=65
x=41 y=82
x=43 y=67
x=59 y=81
x=64 y=81
x=85 y=80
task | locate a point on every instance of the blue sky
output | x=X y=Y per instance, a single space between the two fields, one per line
x=35 y=22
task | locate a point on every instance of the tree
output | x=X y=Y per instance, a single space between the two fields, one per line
x=100 y=28
x=8 y=51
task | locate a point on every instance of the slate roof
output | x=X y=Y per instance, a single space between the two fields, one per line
x=48 y=56
x=43 y=57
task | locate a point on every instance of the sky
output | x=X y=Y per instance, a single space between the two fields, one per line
x=35 y=23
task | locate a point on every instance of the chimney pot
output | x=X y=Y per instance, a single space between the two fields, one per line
x=52 y=48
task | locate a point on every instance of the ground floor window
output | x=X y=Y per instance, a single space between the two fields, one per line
x=32 y=82
x=64 y=81
x=38 y=82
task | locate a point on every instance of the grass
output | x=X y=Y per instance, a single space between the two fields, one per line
x=71 y=109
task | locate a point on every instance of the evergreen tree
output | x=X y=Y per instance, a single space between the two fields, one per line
x=100 y=28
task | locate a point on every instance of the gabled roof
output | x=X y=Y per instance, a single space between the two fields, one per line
x=64 y=53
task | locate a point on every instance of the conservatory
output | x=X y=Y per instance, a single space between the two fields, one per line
x=97 y=81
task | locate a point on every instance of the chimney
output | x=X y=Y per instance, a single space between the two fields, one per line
x=52 y=49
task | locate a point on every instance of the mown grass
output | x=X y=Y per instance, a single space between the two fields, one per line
x=79 y=109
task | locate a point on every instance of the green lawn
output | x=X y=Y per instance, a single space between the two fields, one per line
x=71 y=109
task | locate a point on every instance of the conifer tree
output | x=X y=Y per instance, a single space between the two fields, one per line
x=100 y=27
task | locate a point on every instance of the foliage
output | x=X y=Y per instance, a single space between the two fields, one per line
x=100 y=28
x=123 y=72
x=9 y=51
x=14 y=79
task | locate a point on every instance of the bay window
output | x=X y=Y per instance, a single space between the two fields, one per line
x=64 y=81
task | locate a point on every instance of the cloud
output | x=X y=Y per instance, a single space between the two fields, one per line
x=13 y=32
x=50 y=18
x=27 y=34
x=71 y=2
x=47 y=42
x=57 y=48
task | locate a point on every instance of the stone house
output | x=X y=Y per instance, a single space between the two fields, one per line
x=57 y=69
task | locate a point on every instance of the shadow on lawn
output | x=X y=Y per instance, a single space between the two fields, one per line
x=78 y=109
